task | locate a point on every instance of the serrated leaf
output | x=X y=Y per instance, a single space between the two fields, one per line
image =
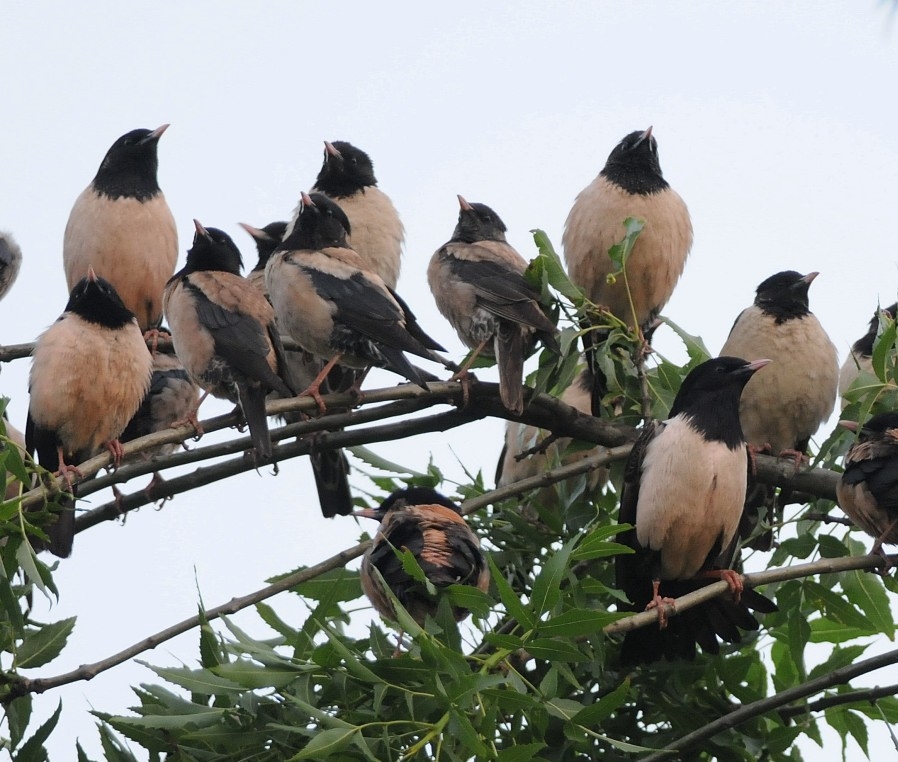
x=326 y=742
x=837 y=608
x=334 y=586
x=511 y=700
x=882 y=346
x=695 y=347
x=555 y=271
x=44 y=645
x=33 y=749
x=25 y=557
x=471 y=598
x=18 y=715
x=866 y=591
x=576 y=622
x=254 y=676
x=203 y=681
x=376 y=461
x=831 y=547
x=522 y=753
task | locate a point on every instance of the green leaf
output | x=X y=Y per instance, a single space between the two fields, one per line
x=254 y=676
x=592 y=716
x=866 y=591
x=547 y=585
x=336 y=585
x=557 y=275
x=556 y=650
x=521 y=753
x=203 y=681
x=837 y=608
x=831 y=547
x=327 y=742
x=33 y=749
x=376 y=461
x=461 y=727
x=44 y=645
x=510 y=700
x=576 y=622
x=18 y=715
x=695 y=347
x=882 y=347
x=509 y=597
x=470 y=598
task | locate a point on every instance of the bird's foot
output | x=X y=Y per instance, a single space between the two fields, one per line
x=116 y=450
x=154 y=489
x=151 y=337
x=118 y=500
x=69 y=474
x=883 y=571
x=753 y=451
x=733 y=578
x=465 y=378
x=798 y=456
x=314 y=391
x=191 y=419
x=659 y=602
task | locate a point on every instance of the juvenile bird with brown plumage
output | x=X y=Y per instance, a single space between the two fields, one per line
x=868 y=488
x=347 y=177
x=334 y=306
x=122 y=227
x=431 y=527
x=10 y=262
x=684 y=487
x=631 y=184
x=784 y=408
x=89 y=372
x=223 y=330
x=477 y=279
x=860 y=358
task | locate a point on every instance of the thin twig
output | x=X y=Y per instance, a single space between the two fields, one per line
x=863 y=696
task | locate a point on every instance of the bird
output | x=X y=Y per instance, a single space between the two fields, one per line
x=10 y=262
x=89 y=372
x=477 y=279
x=784 y=408
x=630 y=184
x=684 y=487
x=860 y=357
x=224 y=332
x=347 y=177
x=330 y=468
x=429 y=526
x=520 y=438
x=868 y=487
x=121 y=226
x=335 y=307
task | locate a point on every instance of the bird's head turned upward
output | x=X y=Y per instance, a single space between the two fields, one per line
x=130 y=166
x=477 y=222
x=709 y=397
x=96 y=301
x=785 y=295
x=401 y=499
x=346 y=170
x=634 y=164
x=213 y=249
x=267 y=240
x=864 y=345
x=881 y=427
x=318 y=223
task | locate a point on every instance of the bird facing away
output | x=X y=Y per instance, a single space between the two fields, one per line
x=431 y=527
x=329 y=467
x=868 y=488
x=783 y=408
x=122 y=227
x=224 y=332
x=477 y=279
x=334 y=306
x=347 y=176
x=631 y=184
x=10 y=262
x=684 y=487
x=89 y=372
x=859 y=359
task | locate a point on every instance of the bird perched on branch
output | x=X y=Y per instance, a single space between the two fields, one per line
x=89 y=372
x=868 y=488
x=224 y=332
x=333 y=305
x=684 y=487
x=10 y=262
x=784 y=408
x=347 y=177
x=430 y=526
x=122 y=227
x=631 y=184
x=477 y=279
x=860 y=358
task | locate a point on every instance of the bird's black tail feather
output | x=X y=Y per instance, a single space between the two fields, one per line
x=331 y=470
x=62 y=532
x=252 y=403
x=592 y=343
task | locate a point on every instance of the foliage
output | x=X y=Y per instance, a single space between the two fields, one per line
x=532 y=675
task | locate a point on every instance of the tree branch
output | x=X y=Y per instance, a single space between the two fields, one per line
x=864 y=696
x=765 y=705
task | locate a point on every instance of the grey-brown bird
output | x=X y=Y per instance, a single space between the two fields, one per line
x=477 y=279
x=267 y=240
x=347 y=176
x=223 y=330
x=868 y=488
x=431 y=527
x=631 y=184
x=122 y=227
x=860 y=358
x=783 y=408
x=334 y=306
x=89 y=372
x=684 y=487
x=10 y=262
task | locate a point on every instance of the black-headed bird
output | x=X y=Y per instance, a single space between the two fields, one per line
x=860 y=358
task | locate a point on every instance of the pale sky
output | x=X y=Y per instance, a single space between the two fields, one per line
x=774 y=123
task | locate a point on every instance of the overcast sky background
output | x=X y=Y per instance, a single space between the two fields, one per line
x=775 y=122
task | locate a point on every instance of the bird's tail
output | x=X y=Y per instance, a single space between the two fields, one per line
x=62 y=533
x=510 y=359
x=331 y=470
x=252 y=403
x=592 y=343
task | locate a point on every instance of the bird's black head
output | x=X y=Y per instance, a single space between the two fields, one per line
x=95 y=300
x=129 y=167
x=881 y=426
x=346 y=170
x=634 y=165
x=318 y=224
x=864 y=345
x=710 y=394
x=267 y=240
x=213 y=249
x=785 y=295
x=409 y=496
x=477 y=222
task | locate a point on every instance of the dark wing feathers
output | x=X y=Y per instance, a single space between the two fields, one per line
x=331 y=471
x=412 y=326
x=881 y=477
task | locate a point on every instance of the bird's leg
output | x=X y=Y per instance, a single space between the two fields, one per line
x=116 y=450
x=314 y=390
x=658 y=602
x=877 y=550
x=464 y=377
x=730 y=576
x=153 y=488
x=192 y=419
x=66 y=471
x=798 y=456
x=151 y=336
x=398 y=652
x=753 y=451
x=118 y=500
